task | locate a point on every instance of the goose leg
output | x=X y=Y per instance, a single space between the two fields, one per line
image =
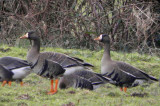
x=56 y=85
x=4 y=82
x=52 y=86
x=21 y=83
x=9 y=83
x=121 y=88
x=52 y=90
x=125 y=89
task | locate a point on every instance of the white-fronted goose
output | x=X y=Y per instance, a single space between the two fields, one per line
x=125 y=74
x=12 y=68
x=84 y=79
x=37 y=59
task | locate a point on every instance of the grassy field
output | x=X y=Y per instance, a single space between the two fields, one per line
x=33 y=93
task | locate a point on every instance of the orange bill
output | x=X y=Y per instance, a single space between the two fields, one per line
x=24 y=36
x=98 y=38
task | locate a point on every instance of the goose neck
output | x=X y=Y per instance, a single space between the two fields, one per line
x=33 y=53
x=35 y=46
x=106 y=53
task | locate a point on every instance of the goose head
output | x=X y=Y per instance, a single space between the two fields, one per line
x=29 y=35
x=104 y=38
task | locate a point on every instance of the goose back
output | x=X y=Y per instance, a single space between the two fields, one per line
x=92 y=76
x=75 y=82
x=113 y=70
x=13 y=62
x=64 y=60
x=134 y=71
x=83 y=79
x=122 y=78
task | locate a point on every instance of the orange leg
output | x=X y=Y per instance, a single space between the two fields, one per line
x=4 y=82
x=53 y=91
x=125 y=89
x=21 y=83
x=56 y=86
x=52 y=82
x=121 y=88
x=9 y=83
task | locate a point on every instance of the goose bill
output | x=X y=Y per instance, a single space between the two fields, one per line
x=98 y=39
x=24 y=36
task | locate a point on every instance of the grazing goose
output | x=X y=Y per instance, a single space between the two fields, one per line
x=83 y=79
x=38 y=60
x=12 y=68
x=125 y=74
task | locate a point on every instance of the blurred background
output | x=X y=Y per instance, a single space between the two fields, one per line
x=133 y=25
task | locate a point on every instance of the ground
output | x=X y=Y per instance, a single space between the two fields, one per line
x=34 y=91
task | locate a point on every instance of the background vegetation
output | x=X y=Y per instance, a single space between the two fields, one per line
x=132 y=24
x=35 y=87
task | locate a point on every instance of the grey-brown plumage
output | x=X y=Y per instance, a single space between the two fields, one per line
x=13 y=62
x=83 y=79
x=39 y=60
x=5 y=74
x=159 y=82
x=51 y=69
x=12 y=68
x=36 y=59
x=125 y=74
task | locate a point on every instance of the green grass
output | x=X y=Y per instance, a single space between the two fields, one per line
x=35 y=88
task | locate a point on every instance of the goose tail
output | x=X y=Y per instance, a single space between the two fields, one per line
x=88 y=64
x=153 y=78
x=105 y=79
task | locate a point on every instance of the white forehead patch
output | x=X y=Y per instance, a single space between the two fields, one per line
x=100 y=37
x=27 y=35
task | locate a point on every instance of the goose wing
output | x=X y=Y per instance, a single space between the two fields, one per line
x=13 y=62
x=51 y=69
x=75 y=81
x=83 y=79
x=64 y=60
x=94 y=78
x=121 y=77
x=134 y=71
x=81 y=61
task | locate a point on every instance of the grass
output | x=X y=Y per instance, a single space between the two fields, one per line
x=35 y=88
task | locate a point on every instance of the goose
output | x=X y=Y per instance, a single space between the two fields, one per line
x=12 y=68
x=84 y=79
x=38 y=60
x=123 y=73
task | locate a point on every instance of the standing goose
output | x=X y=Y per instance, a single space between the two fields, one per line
x=125 y=74
x=83 y=79
x=12 y=68
x=38 y=60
